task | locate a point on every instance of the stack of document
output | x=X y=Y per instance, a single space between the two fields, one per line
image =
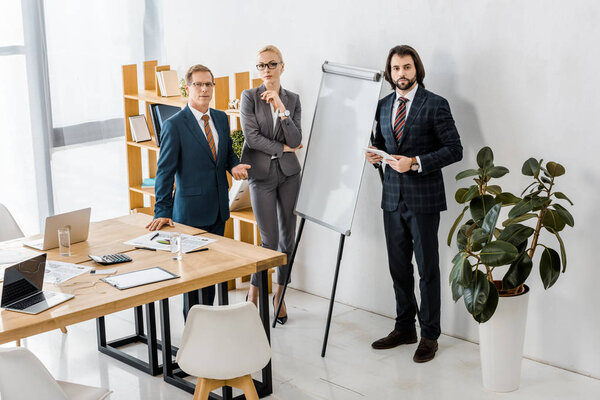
x=161 y=241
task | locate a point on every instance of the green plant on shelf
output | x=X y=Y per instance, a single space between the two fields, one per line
x=182 y=87
x=483 y=247
x=238 y=142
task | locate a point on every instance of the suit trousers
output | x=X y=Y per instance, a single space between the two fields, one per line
x=273 y=200
x=407 y=232
x=207 y=294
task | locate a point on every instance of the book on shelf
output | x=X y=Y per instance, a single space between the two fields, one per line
x=139 y=128
x=168 y=83
x=148 y=182
x=161 y=113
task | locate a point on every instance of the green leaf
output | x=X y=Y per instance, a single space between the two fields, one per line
x=476 y=295
x=561 y=195
x=466 y=273
x=552 y=220
x=555 y=169
x=480 y=236
x=539 y=202
x=455 y=224
x=563 y=252
x=497 y=172
x=531 y=167
x=528 y=203
x=518 y=272
x=498 y=253
x=516 y=234
x=485 y=157
x=480 y=205
x=457 y=264
x=549 y=267
x=489 y=222
x=463 y=195
x=564 y=214
x=457 y=291
x=507 y=198
x=493 y=189
x=521 y=218
x=466 y=174
x=528 y=186
x=461 y=237
x=546 y=180
x=490 y=306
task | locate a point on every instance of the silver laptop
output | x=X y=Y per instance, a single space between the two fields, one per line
x=77 y=221
x=22 y=287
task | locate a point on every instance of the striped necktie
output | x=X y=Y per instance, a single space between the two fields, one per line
x=209 y=136
x=400 y=118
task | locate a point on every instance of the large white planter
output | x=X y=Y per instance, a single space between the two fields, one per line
x=501 y=343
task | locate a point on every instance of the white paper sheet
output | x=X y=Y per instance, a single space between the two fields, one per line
x=58 y=272
x=161 y=241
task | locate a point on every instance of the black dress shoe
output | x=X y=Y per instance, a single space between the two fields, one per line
x=426 y=350
x=280 y=320
x=395 y=338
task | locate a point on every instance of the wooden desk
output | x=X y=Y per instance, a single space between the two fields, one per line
x=227 y=259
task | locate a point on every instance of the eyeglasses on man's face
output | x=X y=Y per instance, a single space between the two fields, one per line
x=270 y=65
x=200 y=85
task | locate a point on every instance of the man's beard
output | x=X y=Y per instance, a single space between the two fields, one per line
x=405 y=85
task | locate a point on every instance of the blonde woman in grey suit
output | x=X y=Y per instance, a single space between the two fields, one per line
x=270 y=118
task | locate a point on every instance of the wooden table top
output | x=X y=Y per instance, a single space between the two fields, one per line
x=226 y=259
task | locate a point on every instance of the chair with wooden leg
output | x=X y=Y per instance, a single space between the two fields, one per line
x=10 y=230
x=222 y=346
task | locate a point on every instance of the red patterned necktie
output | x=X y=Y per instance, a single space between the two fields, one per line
x=209 y=136
x=400 y=118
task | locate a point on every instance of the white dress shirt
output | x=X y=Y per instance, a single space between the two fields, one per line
x=198 y=115
x=275 y=115
x=410 y=96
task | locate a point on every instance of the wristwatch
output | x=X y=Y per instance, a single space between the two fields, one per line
x=286 y=113
x=415 y=165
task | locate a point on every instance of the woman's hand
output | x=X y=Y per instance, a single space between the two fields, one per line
x=288 y=149
x=272 y=97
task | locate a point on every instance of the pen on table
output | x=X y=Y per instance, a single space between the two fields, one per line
x=153 y=236
x=196 y=251
x=144 y=248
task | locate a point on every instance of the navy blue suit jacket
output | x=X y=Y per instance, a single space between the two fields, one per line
x=429 y=133
x=201 y=188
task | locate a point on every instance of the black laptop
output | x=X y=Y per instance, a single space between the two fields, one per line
x=22 y=287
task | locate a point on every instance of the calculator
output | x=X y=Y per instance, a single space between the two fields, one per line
x=110 y=259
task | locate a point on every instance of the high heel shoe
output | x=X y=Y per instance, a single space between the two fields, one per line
x=280 y=320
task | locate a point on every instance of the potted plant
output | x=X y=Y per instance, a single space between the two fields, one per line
x=487 y=247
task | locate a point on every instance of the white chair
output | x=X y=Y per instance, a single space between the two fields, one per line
x=23 y=376
x=222 y=346
x=9 y=229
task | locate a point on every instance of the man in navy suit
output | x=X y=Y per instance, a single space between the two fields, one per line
x=196 y=150
x=416 y=127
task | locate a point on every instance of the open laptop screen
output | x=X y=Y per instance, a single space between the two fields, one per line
x=23 y=279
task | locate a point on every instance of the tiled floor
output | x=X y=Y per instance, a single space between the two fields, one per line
x=351 y=369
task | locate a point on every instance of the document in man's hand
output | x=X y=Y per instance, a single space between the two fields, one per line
x=138 y=278
x=381 y=153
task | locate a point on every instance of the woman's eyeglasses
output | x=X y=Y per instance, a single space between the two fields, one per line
x=270 y=65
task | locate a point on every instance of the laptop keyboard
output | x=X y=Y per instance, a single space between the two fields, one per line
x=38 y=298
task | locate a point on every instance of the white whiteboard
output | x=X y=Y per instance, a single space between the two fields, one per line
x=335 y=156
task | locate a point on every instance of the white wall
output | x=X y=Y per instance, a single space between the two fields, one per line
x=521 y=77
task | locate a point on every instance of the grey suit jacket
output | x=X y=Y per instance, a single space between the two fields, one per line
x=262 y=139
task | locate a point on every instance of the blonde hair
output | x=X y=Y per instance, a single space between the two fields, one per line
x=271 y=48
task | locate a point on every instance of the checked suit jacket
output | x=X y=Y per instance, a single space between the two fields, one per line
x=201 y=187
x=430 y=133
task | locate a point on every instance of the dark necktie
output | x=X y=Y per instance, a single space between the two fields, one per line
x=400 y=118
x=209 y=136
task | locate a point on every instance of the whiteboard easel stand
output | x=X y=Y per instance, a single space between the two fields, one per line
x=353 y=72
